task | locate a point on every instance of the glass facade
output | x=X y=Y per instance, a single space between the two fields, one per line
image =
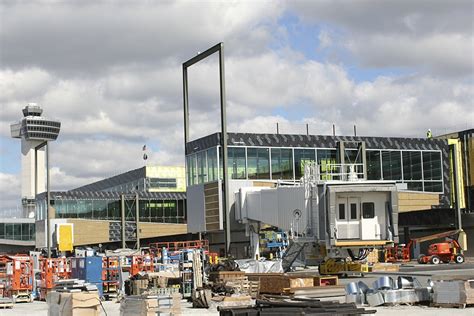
x=282 y=164
x=258 y=163
x=212 y=174
x=391 y=165
x=17 y=231
x=150 y=210
x=163 y=183
x=303 y=156
x=421 y=170
x=374 y=171
x=236 y=163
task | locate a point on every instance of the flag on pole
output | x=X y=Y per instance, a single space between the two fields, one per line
x=145 y=157
x=144 y=147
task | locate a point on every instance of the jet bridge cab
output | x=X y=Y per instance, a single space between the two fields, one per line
x=357 y=214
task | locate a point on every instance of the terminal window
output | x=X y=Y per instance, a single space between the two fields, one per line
x=163 y=183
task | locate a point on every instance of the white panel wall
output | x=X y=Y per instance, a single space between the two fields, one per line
x=196 y=216
x=28 y=168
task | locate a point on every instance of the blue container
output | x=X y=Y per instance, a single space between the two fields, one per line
x=88 y=269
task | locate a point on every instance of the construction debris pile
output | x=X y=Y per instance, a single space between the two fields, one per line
x=296 y=306
x=156 y=280
x=444 y=291
x=405 y=290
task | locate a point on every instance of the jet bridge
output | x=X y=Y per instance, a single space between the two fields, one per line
x=345 y=216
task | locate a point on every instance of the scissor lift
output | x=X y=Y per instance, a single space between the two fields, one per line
x=18 y=276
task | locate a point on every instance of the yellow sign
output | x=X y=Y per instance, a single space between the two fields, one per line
x=65 y=237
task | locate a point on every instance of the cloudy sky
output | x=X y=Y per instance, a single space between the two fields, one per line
x=111 y=72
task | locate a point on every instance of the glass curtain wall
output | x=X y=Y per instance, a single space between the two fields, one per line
x=161 y=211
x=373 y=165
x=258 y=163
x=326 y=158
x=421 y=170
x=212 y=164
x=412 y=170
x=17 y=231
x=432 y=173
x=201 y=167
x=391 y=165
x=303 y=156
x=282 y=164
x=236 y=163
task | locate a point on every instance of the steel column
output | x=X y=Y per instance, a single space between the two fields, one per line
x=137 y=220
x=48 y=202
x=122 y=219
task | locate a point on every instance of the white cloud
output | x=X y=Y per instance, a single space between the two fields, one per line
x=434 y=37
x=10 y=192
x=112 y=74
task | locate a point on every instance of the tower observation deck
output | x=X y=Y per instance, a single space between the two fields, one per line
x=35 y=131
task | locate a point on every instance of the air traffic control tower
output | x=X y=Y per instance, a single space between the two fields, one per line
x=35 y=132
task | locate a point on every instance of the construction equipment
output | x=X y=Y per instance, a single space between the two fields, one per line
x=52 y=270
x=443 y=252
x=110 y=275
x=17 y=272
x=156 y=248
x=88 y=269
x=402 y=252
x=140 y=263
x=341 y=267
x=398 y=253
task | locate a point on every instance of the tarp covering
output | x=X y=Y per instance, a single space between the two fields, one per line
x=261 y=266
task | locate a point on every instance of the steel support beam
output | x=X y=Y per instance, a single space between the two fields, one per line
x=137 y=220
x=48 y=204
x=122 y=219
x=219 y=48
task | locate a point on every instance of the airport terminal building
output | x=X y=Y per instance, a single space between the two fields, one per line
x=156 y=193
x=421 y=168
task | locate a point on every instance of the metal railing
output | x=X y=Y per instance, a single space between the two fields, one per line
x=315 y=173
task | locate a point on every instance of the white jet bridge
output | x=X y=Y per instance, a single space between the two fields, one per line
x=333 y=208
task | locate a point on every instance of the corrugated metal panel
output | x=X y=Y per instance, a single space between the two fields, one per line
x=276 y=206
x=289 y=200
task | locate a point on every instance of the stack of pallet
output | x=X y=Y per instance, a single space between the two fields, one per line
x=238 y=280
x=453 y=291
x=290 y=283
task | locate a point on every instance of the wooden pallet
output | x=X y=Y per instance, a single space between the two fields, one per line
x=223 y=276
